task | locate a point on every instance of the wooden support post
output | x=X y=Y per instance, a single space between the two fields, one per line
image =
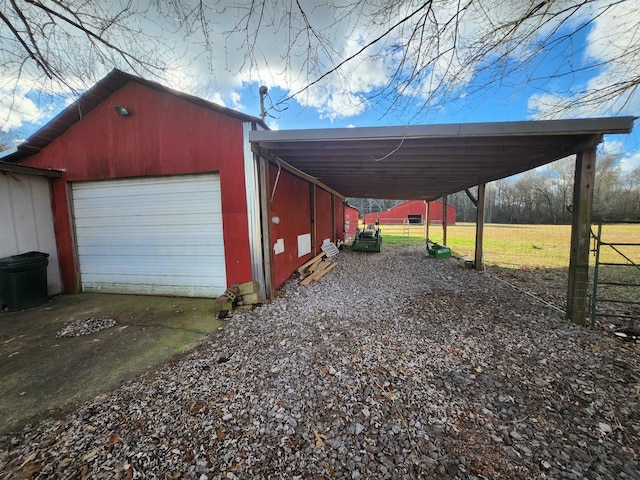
x=479 y=255
x=265 y=220
x=426 y=225
x=314 y=248
x=333 y=218
x=580 y=228
x=445 y=207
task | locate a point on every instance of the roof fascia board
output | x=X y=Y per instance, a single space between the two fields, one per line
x=293 y=170
x=492 y=129
x=23 y=169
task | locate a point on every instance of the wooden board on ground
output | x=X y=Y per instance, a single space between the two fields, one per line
x=301 y=269
x=315 y=266
x=322 y=269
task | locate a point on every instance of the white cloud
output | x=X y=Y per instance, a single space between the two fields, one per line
x=630 y=162
x=272 y=123
x=612 y=41
x=16 y=109
x=236 y=101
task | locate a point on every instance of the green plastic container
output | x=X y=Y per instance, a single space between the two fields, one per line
x=23 y=281
x=438 y=251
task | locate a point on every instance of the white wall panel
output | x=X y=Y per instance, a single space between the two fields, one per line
x=26 y=221
x=156 y=235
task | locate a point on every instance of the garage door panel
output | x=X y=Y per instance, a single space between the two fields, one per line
x=134 y=242
x=167 y=266
x=108 y=250
x=160 y=235
x=169 y=235
x=151 y=185
x=187 y=290
x=125 y=281
x=153 y=204
x=152 y=220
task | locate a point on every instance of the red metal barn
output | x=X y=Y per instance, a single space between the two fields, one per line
x=302 y=218
x=351 y=215
x=413 y=211
x=161 y=194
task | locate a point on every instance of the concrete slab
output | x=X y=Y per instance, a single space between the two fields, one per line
x=42 y=375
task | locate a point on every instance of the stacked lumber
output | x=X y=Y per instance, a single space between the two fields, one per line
x=316 y=268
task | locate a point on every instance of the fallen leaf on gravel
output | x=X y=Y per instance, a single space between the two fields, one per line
x=320 y=437
x=63 y=463
x=221 y=434
x=27 y=472
x=235 y=465
x=128 y=473
x=198 y=407
x=85 y=473
x=453 y=351
x=113 y=439
x=29 y=459
x=90 y=455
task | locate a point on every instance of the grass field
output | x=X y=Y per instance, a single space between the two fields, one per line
x=538 y=246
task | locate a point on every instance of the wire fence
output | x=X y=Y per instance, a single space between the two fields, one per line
x=511 y=246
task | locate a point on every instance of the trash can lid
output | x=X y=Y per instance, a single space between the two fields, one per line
x=22 y=260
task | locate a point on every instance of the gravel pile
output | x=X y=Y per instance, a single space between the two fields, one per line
x=86 y=326
x=394 y=365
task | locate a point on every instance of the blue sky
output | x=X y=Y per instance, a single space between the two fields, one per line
x=340 y=100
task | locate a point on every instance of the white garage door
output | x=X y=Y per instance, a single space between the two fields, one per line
x=158 y=235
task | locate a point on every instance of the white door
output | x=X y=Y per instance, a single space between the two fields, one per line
x=156 y=235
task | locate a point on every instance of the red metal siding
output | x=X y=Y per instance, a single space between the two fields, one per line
x=399 y=213
x=338 y=215
x=350 y=222
x=164 y=135
x=435 y=213
x=324 y=215
x=292 y=205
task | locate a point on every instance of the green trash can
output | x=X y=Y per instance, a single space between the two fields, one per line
x=23 y=281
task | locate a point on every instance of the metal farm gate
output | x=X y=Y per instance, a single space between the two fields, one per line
x=616 y=282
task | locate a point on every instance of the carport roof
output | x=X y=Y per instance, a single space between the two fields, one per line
x=429 y=161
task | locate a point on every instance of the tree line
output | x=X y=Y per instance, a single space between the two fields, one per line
x=544 y=196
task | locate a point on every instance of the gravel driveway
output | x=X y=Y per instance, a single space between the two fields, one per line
x=394 y=365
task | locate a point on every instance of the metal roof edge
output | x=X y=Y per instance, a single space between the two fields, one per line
x=8 y=153
x=581 y=126
x=95 y=95
x=29 y=170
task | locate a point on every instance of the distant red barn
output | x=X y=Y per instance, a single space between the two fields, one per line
x=413 y=211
